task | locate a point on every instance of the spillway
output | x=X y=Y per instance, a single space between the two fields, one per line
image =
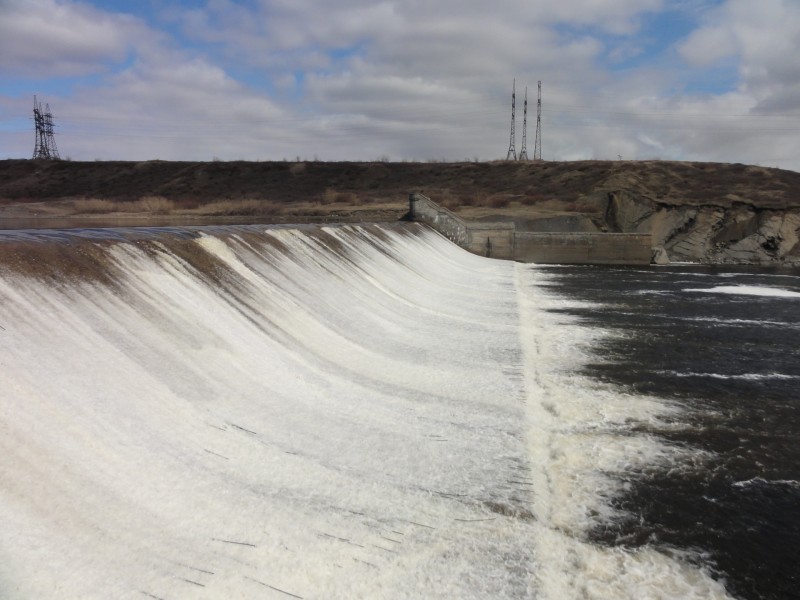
x=318 y=412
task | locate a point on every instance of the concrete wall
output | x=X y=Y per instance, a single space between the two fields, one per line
x=423 y=209
x=486 y=239
x=495 y=240
x=583 y=248
x=501 y=240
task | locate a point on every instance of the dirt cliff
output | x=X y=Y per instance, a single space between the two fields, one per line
x=736 y=233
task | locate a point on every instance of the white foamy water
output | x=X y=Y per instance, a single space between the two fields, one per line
x=747 y=290
x=338 y=413
x=739 y=376
x=759 y=481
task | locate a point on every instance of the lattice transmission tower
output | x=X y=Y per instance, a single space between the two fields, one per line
x=45 y=147
x=523 y=153
x=512 y=152
x=537 y=145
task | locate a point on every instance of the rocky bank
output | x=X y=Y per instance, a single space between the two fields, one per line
x=739 y=233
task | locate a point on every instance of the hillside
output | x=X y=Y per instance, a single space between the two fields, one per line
x=697 y=211
x=670 y=183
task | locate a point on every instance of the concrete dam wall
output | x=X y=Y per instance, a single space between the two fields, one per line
x=582 y=248
x=502 y=240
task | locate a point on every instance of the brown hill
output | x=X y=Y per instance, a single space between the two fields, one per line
x=672 y=183
x=692 y=209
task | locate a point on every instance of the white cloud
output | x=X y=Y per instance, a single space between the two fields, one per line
x=415 y=79
x=764 y=36
x=168 y=103
x=409 y=33
x=43 y=38
x=708 y=45
x=172 y=109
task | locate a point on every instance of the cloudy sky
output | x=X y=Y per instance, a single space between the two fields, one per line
x=403 y=79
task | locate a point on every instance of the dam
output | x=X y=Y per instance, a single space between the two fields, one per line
x=306 y=412
x=501 y=239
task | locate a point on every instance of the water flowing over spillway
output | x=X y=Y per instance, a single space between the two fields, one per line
x=331 y=412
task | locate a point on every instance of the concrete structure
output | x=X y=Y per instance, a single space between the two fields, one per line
x=495 y=239
x=502 y=240
x=583 y=248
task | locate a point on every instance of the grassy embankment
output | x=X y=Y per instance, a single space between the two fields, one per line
x=298 y=191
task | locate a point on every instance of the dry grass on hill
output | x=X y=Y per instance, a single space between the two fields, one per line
x=159 y=205
x=285 y=190
x=155 y=205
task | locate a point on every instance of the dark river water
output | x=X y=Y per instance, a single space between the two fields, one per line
x=724 y=344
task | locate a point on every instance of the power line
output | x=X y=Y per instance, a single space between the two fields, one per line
x=537 y=146
x=477 y=109
x=673 y=127
x=349 y=129
x=405 y=122
x=523 y=154
x=512 y=152
x=45 y=146
x=566 y=109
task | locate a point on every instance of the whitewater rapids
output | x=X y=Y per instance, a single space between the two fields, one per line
x=321 y=412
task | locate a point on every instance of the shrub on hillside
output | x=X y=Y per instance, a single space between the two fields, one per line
x=450 y=203
x=232 y=208
x=498 y=201
x=93 y=206
x=332 y=196
x=154 y=205
x=532 y=199
x=470 y=200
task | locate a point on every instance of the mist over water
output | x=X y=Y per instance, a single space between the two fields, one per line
x=325 y=412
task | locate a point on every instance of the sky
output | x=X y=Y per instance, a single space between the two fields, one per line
x=708 y=80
